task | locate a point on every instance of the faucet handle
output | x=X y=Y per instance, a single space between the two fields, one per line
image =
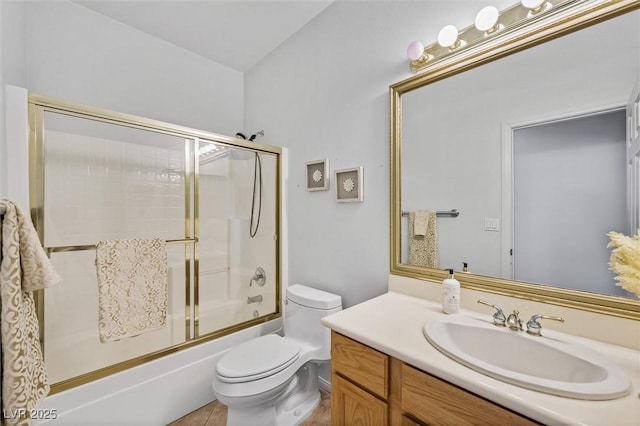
x=259 y=277
x=498 y=316
x=533 y=325
x=514 y=322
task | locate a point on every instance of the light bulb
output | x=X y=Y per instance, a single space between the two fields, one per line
x=532 y=4
x=487 y=18
x=415 y=50
x=448 y=36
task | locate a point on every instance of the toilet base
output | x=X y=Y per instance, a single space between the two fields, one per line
x=266 y=416
x=300 y=413
x=290 y=409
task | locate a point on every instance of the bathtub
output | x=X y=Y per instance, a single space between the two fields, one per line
x=90 y=355
x=155 y=393
x=216 y=315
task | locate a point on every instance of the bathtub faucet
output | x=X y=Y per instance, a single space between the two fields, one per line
x=254 y=299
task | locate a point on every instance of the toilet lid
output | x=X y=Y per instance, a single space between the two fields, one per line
x=257 y=358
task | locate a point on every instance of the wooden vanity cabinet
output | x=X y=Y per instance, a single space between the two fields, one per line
x=437 y=402
x=351 y=405
x=371 y=388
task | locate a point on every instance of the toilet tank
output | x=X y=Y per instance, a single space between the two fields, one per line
x=303 y=310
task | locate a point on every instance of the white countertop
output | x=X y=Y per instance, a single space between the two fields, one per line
x=392 y=323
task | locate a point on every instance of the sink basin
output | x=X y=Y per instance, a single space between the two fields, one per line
x=545 y=364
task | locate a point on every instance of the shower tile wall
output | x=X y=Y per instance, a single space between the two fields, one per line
x=215 y=198
x=98 y=189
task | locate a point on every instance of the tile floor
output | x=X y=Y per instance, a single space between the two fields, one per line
x=215 y=414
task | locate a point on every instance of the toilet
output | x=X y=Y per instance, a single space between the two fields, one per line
x=273 y=380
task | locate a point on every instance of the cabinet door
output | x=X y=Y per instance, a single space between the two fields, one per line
x=360 y=364
x=352 y=406
x=406 y=421
x=437 y=402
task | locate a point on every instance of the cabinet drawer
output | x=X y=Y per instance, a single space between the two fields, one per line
x=436 y=402
x=406 y=421
x=363 y=365
x=351 y=405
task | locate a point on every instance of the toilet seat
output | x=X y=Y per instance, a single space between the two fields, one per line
x=257 y=359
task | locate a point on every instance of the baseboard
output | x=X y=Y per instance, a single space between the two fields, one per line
x=324 y=384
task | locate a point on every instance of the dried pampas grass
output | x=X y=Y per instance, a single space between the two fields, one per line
x=625 y=260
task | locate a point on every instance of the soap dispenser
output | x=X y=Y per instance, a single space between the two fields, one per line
x=450 y=294
x=465 y=267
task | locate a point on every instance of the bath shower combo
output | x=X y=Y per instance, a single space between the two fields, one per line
x=99 y=175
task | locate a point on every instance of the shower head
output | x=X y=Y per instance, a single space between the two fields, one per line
x=252 y=137
x=255 y=135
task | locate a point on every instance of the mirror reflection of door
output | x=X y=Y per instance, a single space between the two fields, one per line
x=570 y=190
x=633 y=159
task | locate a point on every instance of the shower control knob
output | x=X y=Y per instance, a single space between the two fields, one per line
x=259 y=277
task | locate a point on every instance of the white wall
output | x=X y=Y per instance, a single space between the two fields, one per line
x=3 y=141
x=13 y=42
x=12 y=70
x=76 y=54
x=324 y=94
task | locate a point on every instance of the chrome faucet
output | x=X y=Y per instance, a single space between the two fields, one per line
x=498 y=315
x=254 y=299
x=514 y=322
x=533 y=325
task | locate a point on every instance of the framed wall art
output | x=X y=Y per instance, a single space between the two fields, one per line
x=318 y=175
x=349 y=188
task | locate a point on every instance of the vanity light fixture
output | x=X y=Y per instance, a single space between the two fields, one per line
x=534 y=6
x=415 y=51
x=487 y=19
x=448 y=37
x=489 y=22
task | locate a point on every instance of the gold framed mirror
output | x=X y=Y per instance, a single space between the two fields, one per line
x=449 y=78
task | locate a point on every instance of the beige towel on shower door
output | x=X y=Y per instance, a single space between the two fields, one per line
x=24 y=268
x=423 y=249
x=132 y=287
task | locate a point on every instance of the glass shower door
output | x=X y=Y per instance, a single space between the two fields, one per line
x=105 y=181
x=237 y=236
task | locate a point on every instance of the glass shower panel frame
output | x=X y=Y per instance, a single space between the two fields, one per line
x=183 y=274
x=237 y=194
x=108 y=180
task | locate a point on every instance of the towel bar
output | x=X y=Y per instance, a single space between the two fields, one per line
x=93 y=246
x=440 y=213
